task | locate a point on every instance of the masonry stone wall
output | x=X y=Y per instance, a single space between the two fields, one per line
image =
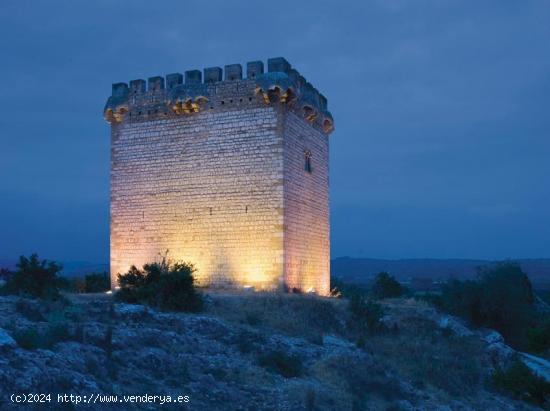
x=214 y=173
x=306 y=207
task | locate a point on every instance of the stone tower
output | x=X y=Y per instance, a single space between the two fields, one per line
x=228 y=173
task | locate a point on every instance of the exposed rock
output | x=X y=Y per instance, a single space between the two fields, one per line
x=538 y=365
x=330 y=341
x=133 y=350
x=6 y=340
x=493 y=337
x=390 y=321
x=455 y=325
x=130 y=310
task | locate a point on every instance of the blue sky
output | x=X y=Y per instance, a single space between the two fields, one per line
x=442 y=140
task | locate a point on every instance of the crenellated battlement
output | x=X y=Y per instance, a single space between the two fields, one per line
x=196 y=91
x=226 y=167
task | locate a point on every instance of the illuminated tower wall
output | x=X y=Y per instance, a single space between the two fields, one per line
x=230 y=174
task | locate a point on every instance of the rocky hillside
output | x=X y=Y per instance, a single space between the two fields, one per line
x=247 y=352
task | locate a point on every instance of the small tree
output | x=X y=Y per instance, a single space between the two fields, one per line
x=386 y=286
x=508 y=299
x=35 y=278
x=501 y=298
x=464 y=299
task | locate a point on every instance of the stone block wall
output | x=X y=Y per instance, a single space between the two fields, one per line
x=306 y=207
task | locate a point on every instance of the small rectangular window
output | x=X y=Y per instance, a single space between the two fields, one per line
x=307 y=163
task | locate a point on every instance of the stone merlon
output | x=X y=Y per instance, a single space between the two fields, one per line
x=187 y=94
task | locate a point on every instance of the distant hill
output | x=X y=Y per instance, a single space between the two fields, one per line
x=361 y=270
x=80 y=268
x=5 y=263
x=70 y=268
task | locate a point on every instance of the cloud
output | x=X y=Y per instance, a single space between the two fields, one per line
x=440 y=107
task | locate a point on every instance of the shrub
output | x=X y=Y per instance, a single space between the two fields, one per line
x=28 y=339
x=365 y=313
x=464 y=299
x=343 y=289
x=522 y=383
x=56 y=332
x=386 y=286
x=431 y=298
x=35 y=278
x=539 y=337
x=29 y=310
x=361 y=378
x=252 y=319
x=31 y=339
x=545 y=296
x=97 y=283
x=77 y=285
x=310 y=400
x=289 y=366
x=5 y=274
x=508 y=299
x=166 y=285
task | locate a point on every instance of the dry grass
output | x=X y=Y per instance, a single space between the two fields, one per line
x=431 y=358
x=417 y=350
x=296 y=315
x=365 y=381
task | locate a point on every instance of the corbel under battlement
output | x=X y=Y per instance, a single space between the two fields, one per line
x=195 y=91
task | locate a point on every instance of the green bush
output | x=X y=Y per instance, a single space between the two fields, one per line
x=28 y=339
x=539 y=337
x=365 y=313
x=29 y=310
x=77 y=285
x=5 y=274
x=253 y=319
x=56 y=333
x=545 y=296
x=522 y=383
x=166 y=285
x=289 y=366
x=35 y=278
x=97 y=283
x=431 y=298
x=463 y=299
x=386 y=286
x=31 y=339
x=341 y=288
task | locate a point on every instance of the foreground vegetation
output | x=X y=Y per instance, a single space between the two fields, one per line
x=501 y=298
x=518 y=380
x=166 y=285
x=371 y=349
x=34 y=278
x=90 y=283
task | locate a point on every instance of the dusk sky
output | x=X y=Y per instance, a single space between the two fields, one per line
x=441 y=108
